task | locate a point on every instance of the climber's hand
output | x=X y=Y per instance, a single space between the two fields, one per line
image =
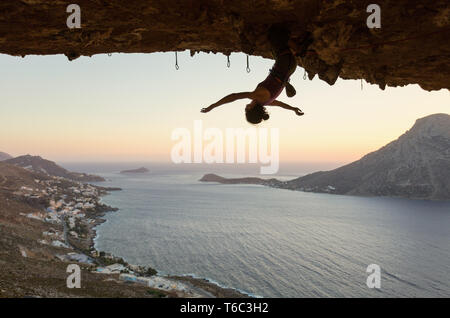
x=298 y=112
x=207 y=109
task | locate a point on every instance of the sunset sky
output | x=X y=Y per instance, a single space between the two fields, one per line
x=125 y=107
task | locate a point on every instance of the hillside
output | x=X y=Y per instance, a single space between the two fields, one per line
x=40 y=165
x=30 y=266
x=416 y=165
x=4 y=156
x=12 y=177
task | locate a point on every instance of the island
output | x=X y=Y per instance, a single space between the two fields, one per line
x=211 y=177
x=139 y=170
x=414 y=166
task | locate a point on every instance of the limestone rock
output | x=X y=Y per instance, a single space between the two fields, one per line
x=410 y=47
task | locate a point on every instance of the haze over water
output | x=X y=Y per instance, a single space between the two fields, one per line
x=278 y=243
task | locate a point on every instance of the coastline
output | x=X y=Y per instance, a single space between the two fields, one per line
x=206 y=286
x=39 y=214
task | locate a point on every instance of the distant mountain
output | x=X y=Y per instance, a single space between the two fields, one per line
x=139 y=170
x=40 y=165
x=416 y=165
x=4 y=156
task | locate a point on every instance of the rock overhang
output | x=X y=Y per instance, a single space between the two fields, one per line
x=411 y=47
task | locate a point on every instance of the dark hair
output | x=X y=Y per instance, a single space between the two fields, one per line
x=256 y=114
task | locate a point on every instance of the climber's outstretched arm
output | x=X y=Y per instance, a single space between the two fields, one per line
x=286 y=106
x=228 y=99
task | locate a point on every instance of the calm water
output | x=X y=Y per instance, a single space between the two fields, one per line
x=279 y=243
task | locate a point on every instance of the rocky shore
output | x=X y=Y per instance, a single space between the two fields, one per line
x=196 y=287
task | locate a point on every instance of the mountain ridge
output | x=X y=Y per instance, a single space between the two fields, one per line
x=416 y=165
x=41 y=165
x=5 y=156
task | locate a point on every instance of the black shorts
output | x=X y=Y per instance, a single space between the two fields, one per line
x=284 y=66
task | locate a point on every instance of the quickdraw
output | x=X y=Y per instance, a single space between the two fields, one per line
x=176 y=61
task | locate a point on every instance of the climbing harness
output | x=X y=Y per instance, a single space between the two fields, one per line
x=228 y=61
x=248 y=65
x=176 y=61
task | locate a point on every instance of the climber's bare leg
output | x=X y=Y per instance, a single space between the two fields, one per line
x=278 y=37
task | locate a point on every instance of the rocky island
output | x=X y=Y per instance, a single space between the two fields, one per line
x=211 y=177
x=415 y=166
x=139 y=170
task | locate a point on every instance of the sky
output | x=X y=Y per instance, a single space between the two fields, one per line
x=125 y=107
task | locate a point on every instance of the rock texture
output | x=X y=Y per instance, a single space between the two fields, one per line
x=39 y=165
x=410 y=47
x=416 y=165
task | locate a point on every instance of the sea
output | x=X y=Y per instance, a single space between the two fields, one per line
x=269 y=242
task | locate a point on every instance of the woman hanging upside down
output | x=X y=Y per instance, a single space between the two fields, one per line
x=267 y=91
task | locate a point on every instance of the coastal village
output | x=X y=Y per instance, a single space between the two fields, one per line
x=63 y=214
x=74 y=209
